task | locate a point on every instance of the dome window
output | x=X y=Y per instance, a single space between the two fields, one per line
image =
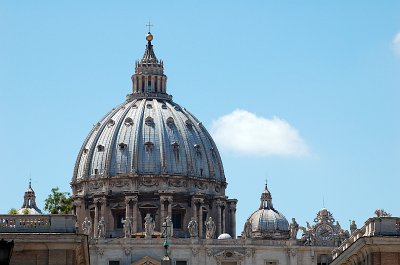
x=149 y=106
x=128 y=121
x=177 y=108
x=100 y=148
x=85 y=151
x=134 y=106
x=96 y=171
x=170 y=121
x=175 y=149
x=188 y=123
x=110 y=123
x=148 y=146
x=197 y=148
x=163 y=106
x=149 y=121
x=122 y=146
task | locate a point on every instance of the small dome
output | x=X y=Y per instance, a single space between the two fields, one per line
x=267 y=222
x=224 y=236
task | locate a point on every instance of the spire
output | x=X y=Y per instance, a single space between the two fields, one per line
x=149 y=80
x=266 y=199
x=30 y=198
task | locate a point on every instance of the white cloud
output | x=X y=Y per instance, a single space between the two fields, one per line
x=245 y=133
x=396 y=43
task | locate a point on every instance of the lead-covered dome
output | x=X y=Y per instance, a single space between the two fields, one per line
x=267 y=222
x=149 y=134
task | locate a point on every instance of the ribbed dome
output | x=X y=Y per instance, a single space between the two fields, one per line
x=149 y=134
x=149 y=137
x=268 y=219
x=267 y=222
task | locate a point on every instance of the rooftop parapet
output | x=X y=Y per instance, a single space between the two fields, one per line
x=55 y=223
x=374 y=227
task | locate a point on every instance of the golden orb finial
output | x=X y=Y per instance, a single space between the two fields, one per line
x=149 y=37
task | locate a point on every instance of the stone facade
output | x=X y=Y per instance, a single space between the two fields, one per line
x=44 y=240
x=376 y=243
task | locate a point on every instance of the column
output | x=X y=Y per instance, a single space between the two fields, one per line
x=219 y=218
x=140 y=87
x=170 y=206
x=223 y=210
x=127 y=207
x=162 y=210
x=146 y=79
x=233 y=220
x=201 y=220
x=96 y=217
x=194 y=208
x=134 y=214
x=153 y=84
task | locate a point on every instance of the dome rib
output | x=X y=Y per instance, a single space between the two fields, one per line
x=113 y=146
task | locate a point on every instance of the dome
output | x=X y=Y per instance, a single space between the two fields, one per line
x=267 y=222
x=150 y=159
x=224 y=236
x=149 y=134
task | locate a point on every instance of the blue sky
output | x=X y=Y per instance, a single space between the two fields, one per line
x=317 y=76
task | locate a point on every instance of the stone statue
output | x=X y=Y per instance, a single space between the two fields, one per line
x=247 y=230
x=86 y=226
x=127 y=227
x=149 y=226
x=382 y=213
x=338 y=228
x=293 y=228
x=210 y=228
x=168 y=228
x=101 y=228
x=193 y=228
x=353 y=227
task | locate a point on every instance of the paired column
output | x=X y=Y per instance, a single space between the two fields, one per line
x=165 y=212
x=197 y=206
x=99 y=204
x=131 y=211
x=221 y=206
x=232 y=208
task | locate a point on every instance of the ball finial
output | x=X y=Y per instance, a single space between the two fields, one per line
x=149 y=37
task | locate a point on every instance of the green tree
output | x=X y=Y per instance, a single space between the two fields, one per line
x=58 y=202
x=13 y=211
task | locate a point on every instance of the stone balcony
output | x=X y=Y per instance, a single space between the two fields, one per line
x=55 y=223
x=374 y=227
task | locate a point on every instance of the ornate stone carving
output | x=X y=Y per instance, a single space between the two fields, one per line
x=149 y=226
x=353 y=227
x=120 y=183
x=168 y=227
x=86 y=226
x=247 y=230
x=210 y=228
x=193 y=228
x=101 y=228
x=201 y=185
x=148 y=182
x=177 y=183
x=293 y=228
x=195 y=251
x=127 y=227
x=96 y=185
x=100 y=251
x=382 y=213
